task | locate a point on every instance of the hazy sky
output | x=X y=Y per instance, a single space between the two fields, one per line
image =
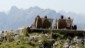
x=77 y=6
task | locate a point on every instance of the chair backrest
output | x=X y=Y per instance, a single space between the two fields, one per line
x=47 y=24
x=49 y=19
x=62 y=24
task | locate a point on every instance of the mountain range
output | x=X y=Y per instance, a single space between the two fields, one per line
x=16 y=18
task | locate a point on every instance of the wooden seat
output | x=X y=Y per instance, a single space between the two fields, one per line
x=49 y=19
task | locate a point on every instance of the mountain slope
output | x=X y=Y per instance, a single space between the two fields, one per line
x=17 y=18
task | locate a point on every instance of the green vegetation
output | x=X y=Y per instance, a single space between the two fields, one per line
x=38 y=40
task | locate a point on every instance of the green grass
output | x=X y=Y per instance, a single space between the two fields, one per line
x=30 y=43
